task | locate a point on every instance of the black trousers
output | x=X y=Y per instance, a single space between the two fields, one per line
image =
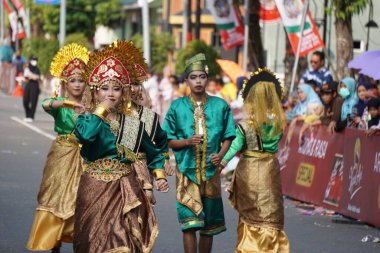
x=30 y=99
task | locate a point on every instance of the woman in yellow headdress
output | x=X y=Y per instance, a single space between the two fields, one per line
x=54 y=220
x=255 y=191
x=113 y=212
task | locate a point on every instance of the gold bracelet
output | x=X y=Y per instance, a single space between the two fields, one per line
x=223 y=163
x=69 y=104
x=159 y=174
x=101 y=111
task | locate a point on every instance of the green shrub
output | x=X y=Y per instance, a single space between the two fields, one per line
x=79 y=38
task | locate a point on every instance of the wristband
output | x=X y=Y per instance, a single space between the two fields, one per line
x=50 y=105
x=69 y=104
x=159 y=174
x=223 y=163
x=102 y=112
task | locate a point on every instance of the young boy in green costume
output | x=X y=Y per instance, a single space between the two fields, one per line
x=200 y=130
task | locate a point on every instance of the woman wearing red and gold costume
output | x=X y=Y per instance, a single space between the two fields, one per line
x=113 y=213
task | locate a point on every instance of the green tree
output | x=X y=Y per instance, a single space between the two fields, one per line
x=161 y=44
x=82 y=16
x=43 y=49
x=343 y=11
x=193 y=48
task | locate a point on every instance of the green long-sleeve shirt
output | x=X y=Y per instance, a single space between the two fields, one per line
x=179 y=125
x=99 y=142
x=64 y=121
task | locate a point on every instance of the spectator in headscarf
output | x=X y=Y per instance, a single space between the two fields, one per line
x=360 y=111
x=311 y=108
x=347 y=91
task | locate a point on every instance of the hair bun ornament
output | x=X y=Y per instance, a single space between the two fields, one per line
x=262 y=75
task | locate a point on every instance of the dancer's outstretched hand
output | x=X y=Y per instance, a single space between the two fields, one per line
x=162 y=185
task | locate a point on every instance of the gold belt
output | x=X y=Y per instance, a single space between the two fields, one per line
x=67 y=139
x=107 y=169
x=258 y=154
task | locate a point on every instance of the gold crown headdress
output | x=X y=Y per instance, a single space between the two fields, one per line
x=69 y=61
x=116 y=62
x=262 y=75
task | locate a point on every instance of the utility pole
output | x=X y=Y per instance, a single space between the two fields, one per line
x=62 y=23
x=146 y=30
x=325 y=21
x=198 y=21
x=185 y=24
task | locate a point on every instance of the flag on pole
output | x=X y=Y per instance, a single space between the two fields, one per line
x=17 y=17
x=269 y=12
x=228 y=22
x=291 y=15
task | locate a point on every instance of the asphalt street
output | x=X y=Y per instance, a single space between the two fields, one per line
x=23 y=150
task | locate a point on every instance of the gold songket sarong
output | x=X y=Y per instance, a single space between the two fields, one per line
x=190 y=194
x=144 y=176
x=255 y=192
x=114 y=216
x=54 y=222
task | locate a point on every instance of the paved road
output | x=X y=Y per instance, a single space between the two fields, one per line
x=22 y=155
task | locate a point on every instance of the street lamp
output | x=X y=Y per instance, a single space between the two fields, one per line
x=370 y=24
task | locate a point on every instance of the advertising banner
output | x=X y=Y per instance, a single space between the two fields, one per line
x=52 y=2
x=228 y=22
x=291 y=15
x=339 y=171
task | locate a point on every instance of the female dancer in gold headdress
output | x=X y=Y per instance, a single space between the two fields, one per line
x=139 y=108
x=54 y=220
x=255 y=190
x=113 y=214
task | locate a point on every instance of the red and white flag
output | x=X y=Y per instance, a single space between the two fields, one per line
x=291 y=15
x=17 y=17
x=228 y=22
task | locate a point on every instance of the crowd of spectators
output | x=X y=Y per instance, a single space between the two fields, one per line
x=319 y=100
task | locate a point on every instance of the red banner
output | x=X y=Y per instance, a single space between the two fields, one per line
x=338 y=171
x=269 y=12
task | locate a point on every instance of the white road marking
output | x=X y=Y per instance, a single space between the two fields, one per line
x=34 y=128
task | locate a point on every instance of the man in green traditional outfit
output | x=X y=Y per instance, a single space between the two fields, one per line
x=200 y=130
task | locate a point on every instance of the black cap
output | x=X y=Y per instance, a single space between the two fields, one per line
x=329 y=87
